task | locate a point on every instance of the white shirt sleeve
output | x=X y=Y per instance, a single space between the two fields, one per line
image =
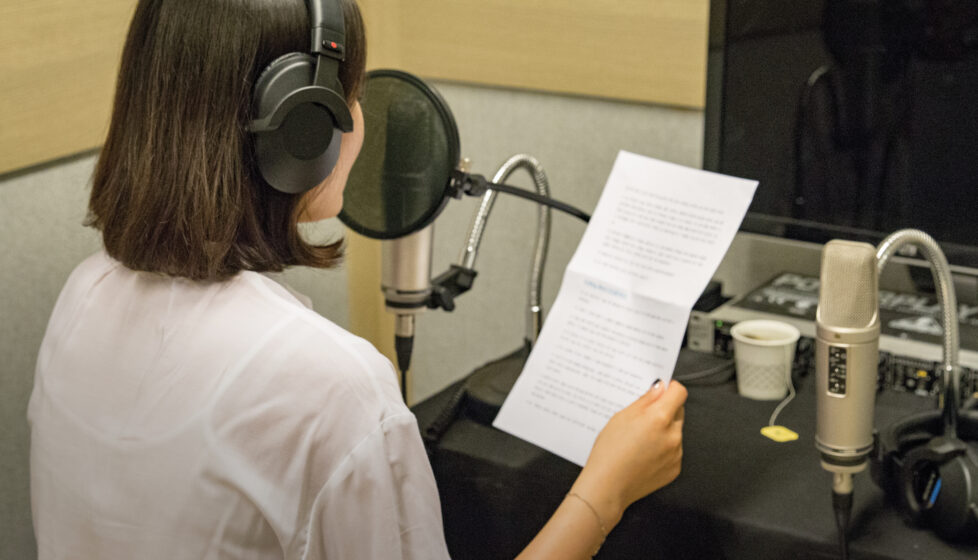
x=383 y=493
x=327 y=450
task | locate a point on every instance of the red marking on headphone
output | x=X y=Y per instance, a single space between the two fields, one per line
x=332 y=44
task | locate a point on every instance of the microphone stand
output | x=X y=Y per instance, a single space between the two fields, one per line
x=486 y=387
x=459 y=278
x=951 y=341
x=534 y=319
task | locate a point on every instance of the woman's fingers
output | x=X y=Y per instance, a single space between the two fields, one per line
x=653 y=394
x=673 y=398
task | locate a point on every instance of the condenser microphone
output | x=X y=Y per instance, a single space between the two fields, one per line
x=406 y=276
x=406 y=282
x=406 y=261
x=404 y=182
x=846 y=354
x=847 y=333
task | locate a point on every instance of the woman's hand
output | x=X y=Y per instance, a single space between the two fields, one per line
x=638 y=452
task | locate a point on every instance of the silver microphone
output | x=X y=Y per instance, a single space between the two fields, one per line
x=847 y=337
x=406 y=273
x=406 y=261
x=846 y=358
x=406 y=282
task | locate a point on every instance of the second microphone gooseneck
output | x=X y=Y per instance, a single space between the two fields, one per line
x=946 y=299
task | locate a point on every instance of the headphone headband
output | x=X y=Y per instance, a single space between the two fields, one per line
x=328 y=28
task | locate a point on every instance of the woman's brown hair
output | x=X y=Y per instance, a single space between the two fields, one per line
x=176 y=189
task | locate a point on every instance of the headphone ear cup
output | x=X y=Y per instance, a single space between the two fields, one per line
x=299 y=155
x=302 y=151
x=895 y=442
x=962 y=477
x=917 y=479
x=953 y=514
x=938 y=483
x=910 y=457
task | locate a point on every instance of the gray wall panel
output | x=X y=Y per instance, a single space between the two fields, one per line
x=576 y=140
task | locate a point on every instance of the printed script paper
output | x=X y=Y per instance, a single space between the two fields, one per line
x=655 y=240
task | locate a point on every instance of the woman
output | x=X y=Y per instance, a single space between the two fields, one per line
x=186 y=405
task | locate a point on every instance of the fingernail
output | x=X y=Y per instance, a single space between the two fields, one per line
x=657 y=383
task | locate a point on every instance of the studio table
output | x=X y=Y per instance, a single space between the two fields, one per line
x=739 y=496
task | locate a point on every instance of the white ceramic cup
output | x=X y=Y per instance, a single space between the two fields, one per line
x=763 y=353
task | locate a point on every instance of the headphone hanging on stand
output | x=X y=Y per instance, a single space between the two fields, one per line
x=300 y=107
x=932 y=477
x=928 y=463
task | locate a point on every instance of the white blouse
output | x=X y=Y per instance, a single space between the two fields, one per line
x=175 y=419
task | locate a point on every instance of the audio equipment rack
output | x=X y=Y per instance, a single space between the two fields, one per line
x=910 y=339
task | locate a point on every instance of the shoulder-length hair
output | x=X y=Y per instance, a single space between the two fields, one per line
x=176 y=188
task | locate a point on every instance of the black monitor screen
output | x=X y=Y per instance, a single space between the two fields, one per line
x=858 y=117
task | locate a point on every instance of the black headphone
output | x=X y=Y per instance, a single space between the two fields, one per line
x=300 y=107
x=931 y=476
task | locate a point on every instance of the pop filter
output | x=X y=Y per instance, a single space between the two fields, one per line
x=406 y=172
x=401 y=180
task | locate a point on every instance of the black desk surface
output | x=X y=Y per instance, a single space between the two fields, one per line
x=740 y=495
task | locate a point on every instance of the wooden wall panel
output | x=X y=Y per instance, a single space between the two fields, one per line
x=58 y=62
x=640 y=50
x=58 y=58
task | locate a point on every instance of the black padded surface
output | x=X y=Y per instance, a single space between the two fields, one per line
x=740 y=495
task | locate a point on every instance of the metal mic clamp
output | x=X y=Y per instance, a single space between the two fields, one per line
x=446 y=286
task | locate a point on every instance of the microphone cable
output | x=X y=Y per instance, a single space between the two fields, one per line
x=718 y=374
x=842 y=504
x=540 y=199
x=784 y=402
x=403 y=346
x=475 y=185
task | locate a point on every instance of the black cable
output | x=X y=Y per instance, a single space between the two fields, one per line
x=403 y=346
x=726 y=369
x=540 y=199
x=434 y=432
x=842 y=504
x=803 y=122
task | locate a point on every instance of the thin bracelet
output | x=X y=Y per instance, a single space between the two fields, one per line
x=604 y=532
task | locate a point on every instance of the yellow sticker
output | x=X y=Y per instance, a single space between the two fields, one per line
x=779 y=434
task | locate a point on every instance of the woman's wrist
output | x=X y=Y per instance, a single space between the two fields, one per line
x=578 y=527
x=606 y=502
